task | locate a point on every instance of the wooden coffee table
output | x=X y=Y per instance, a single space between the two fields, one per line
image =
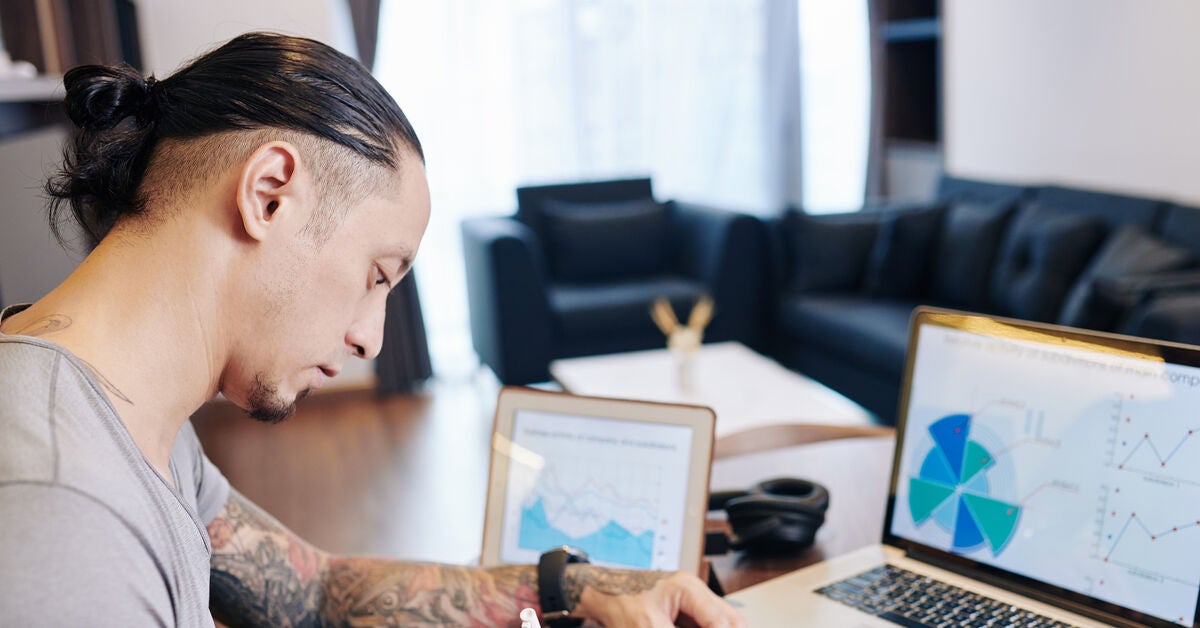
x=755 y=398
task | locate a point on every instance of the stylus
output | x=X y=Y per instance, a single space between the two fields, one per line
x=529 y=619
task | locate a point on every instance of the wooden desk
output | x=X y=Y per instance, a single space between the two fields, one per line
x=856 y=472
x=406 y=477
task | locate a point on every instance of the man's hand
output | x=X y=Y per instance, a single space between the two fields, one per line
x=614 y=597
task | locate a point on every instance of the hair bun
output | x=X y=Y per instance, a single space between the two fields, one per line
x=101 y=96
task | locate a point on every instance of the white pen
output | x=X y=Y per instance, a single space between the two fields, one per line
x=529 y=619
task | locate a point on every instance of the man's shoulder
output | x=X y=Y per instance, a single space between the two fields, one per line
x=31 y=369
x=25 y=360
x=57 y=427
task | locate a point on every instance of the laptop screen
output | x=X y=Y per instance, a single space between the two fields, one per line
x=1069 y=460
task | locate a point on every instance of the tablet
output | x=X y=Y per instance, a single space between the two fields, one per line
x=625 y=481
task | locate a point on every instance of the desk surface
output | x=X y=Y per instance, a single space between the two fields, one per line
x=747 y=390
x=345 y=472
x=855 y=471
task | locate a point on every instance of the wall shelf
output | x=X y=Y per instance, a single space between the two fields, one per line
x=910 y=38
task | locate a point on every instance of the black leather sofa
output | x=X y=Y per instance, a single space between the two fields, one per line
x=575 y=270
x=845 y=285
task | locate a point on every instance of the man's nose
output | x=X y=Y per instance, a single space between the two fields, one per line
x=365 y=336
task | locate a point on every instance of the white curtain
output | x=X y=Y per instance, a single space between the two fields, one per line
x=703 y=96
x=835 y=70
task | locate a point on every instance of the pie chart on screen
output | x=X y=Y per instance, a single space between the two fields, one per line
x=952 y=490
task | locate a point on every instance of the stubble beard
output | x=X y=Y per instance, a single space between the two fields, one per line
x=266 y=405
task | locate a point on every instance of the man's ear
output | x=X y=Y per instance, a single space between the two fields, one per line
x=267 y=188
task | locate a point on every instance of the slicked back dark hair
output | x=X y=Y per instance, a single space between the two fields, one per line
x=255 y=81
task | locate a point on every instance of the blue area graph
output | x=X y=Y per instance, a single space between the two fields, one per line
x=611 y=543
x=953 y=490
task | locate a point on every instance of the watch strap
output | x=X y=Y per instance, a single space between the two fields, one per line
x=552 y=567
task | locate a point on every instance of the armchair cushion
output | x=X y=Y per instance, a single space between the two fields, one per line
x=1042 y=255
x=966 y=252
x=829 y=253
x=621 y=308
x=1129 y=251
x=900 y=256
x=606 y=241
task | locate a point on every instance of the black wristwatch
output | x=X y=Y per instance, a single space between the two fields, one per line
x=551 y=568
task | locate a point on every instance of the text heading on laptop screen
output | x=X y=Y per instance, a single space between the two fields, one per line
x=1073 y=466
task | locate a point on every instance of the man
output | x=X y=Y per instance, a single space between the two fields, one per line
x=249 y=214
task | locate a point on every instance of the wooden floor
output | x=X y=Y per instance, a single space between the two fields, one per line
x=355 y=473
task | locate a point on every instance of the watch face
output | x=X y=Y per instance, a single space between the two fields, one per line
x=575 y=555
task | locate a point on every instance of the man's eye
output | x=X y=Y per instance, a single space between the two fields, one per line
x=382 y=278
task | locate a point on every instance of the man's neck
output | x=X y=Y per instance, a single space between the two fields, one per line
x=143 y=319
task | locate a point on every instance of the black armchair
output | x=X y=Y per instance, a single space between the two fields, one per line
x=575 y=271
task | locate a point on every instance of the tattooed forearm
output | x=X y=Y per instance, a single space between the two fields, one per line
x=607 y=581
x=366 y=591
x=264 y=575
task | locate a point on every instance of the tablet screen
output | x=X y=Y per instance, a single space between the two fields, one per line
x=614 y=488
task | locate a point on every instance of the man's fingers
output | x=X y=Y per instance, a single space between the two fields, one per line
x=704 y=608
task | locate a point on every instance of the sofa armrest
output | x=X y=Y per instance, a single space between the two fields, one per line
x=511 y=324
x=726 y=251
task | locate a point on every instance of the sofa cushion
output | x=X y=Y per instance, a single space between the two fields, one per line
x=829 y=253
x=1129 y=251
x=869 y=332
x=599 y=310
x=1042 y=255
x=531 y=200
x=1174 y=317
x=606 y=241
x=1180 y=225
x=902 y=252
x=966 y=252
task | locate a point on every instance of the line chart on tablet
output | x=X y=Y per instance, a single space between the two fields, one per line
x=611 y=511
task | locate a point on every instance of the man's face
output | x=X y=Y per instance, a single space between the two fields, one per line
x=323 y=303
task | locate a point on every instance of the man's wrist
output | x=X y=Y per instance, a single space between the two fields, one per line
x=575 y=580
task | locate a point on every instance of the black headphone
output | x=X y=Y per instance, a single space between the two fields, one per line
x=776 y=516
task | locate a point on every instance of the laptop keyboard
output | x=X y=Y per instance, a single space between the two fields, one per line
x=909 y=599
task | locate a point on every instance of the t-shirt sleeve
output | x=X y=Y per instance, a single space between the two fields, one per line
x=67 y=560
x=206 y=480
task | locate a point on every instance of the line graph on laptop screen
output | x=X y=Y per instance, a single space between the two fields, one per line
x=1074 y=467
x=614 y=488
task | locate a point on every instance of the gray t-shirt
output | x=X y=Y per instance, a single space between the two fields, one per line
x=90 y=533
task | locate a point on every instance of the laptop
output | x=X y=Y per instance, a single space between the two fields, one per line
x=1042 y=476
x=625 y=481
